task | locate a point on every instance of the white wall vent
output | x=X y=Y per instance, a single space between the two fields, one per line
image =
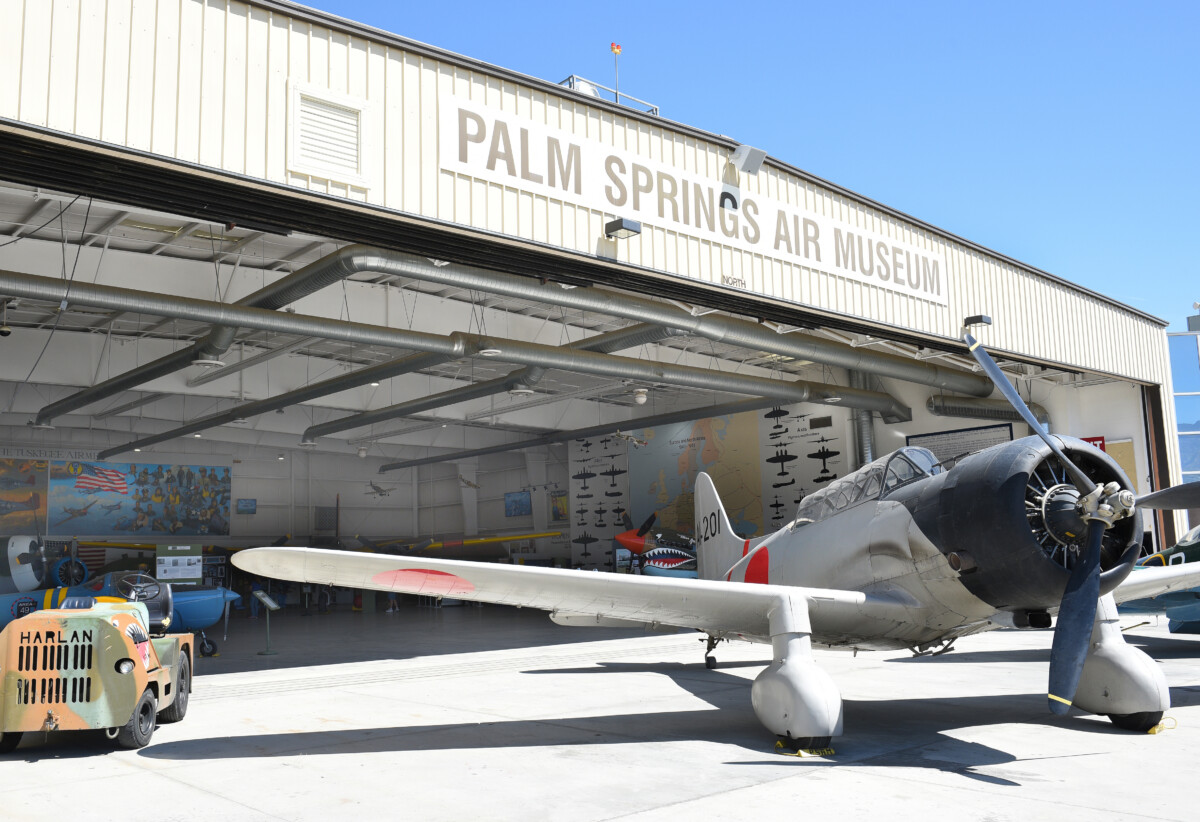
x=328 y=135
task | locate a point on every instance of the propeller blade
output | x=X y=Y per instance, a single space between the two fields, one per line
x=647 y=525
x=1076 y=617
x=1175 y=498
x=1085 y=485
x=626 y=522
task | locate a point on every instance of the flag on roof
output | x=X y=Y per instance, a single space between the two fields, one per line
x=94 y=478
x=616 y=48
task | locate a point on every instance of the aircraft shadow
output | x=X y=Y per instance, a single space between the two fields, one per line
x=910 y=733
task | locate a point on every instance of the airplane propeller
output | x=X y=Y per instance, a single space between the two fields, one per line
x=1100 y=506
x=647 y=525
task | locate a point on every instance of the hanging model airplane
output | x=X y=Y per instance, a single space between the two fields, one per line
x=377 y=490
x=899 y=554
x=630 y=438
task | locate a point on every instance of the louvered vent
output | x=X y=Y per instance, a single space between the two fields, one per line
x=330 y=137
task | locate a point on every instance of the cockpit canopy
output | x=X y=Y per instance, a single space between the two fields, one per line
x=874 y=480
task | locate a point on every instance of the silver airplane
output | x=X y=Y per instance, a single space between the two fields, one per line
x=902 y=553
x=377 y=490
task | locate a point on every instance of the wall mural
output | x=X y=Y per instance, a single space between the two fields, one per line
x=120 y=499
x=23 y=496
x=763 y=463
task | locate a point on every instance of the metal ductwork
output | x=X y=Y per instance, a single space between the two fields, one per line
x=343 y=382
x=864 y=427
x=523 y=378
x=719 y=328
x=980 y=409
x=312 y=278
x=594 y=431
x=453 y=346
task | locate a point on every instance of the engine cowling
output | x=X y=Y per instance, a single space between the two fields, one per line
x=1006 y=518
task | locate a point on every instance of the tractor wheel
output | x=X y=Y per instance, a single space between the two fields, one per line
x=177 y=710
x=140 y=727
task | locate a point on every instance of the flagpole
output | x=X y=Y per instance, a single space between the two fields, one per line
x=616 y=50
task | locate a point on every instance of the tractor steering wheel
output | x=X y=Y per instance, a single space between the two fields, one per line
x=139 y=587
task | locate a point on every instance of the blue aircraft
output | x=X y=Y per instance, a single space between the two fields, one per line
x=1181 y=607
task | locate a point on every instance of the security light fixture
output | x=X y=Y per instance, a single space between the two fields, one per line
x=977 y=319
x=622 y=228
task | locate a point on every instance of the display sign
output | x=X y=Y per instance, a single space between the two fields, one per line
x=504 y=148
x=247 y=506
x=180 y=563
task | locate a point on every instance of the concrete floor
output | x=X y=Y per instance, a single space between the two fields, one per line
x=492 y=713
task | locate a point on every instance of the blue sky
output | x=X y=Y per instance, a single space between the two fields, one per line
x=1064 y=135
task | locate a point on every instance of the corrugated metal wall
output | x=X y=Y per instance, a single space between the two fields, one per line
x=208 y=81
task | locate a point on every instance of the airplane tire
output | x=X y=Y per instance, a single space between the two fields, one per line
x=140 y=727
x=808 y=743
x=177 y=710
x=1139 y=723
x=9 y=741
x=710 y=662
x=208 y=647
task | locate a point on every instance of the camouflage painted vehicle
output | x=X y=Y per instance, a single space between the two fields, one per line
x=95 y=665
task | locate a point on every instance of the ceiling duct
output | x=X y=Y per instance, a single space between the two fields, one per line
x=731 y=330
x=312 y=278
x=454 y=345
x=601 y=343
x=981 y=409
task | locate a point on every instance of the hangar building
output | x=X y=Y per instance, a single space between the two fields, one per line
x=271 y=256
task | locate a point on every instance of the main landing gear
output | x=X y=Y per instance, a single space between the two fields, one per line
x=710 y=661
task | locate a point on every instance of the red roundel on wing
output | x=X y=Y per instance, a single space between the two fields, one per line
x=425 y=582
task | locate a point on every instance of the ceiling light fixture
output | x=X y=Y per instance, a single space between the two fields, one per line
x=490 y=352
x=207 y=361
x=639 y=395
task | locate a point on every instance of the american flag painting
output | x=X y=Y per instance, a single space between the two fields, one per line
x=94 y=478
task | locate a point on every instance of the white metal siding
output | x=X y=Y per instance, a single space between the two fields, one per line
x=207 y=81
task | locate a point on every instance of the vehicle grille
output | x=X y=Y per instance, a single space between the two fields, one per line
x=61 y=657
x=53 y=690
x=56 y=662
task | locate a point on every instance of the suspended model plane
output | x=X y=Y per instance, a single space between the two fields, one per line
x=377 y=490
x=899 y=554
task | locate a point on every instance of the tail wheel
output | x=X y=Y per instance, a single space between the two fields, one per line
x=1139 y=723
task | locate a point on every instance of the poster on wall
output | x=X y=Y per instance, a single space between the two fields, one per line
x=599 y=498
x=949 y=445
x=23 y=496
x=119 y=499
x=559 y=506
x=518 y=504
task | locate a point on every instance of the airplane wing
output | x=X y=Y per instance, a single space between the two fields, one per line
x=1152 y=582
x=715 y=607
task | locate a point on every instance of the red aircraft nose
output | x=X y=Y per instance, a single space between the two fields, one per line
x=631 y=541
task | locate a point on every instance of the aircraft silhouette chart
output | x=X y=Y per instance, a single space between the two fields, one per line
x=901 y=553
x=781 y=458
x=585 y=539
x=775 y=414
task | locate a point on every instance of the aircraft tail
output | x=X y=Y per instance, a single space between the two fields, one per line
x=718 y=547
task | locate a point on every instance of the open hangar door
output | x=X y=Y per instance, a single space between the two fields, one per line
x=312 y=369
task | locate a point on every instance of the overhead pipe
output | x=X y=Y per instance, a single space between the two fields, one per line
x=342 y=382
x=668 y=418
x=715 y=327
x=312 y=278
x=523 y=378
x=454 y=346
x=864 y=427
x=983 y=409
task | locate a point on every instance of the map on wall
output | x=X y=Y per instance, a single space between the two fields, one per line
x=115 y=499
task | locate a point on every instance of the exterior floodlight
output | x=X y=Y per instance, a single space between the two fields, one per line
x=977 y=319
x=748 y=159
x=622 y=229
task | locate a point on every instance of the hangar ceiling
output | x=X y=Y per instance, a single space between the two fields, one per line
x=57 y=350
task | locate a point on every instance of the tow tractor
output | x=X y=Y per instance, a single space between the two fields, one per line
x=106 y=664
